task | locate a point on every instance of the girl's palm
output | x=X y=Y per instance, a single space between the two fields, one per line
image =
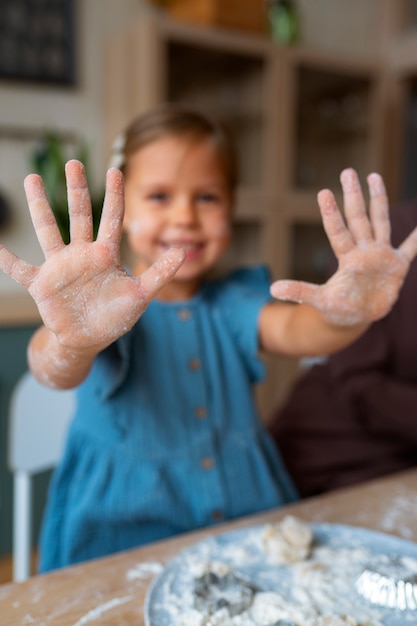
x=370 y=271
x=83 y=294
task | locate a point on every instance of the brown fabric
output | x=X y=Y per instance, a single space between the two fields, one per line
x=355 y=417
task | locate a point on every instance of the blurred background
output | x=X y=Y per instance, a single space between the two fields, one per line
x=308 y=88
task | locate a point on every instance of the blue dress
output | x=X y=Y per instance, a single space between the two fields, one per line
x=166 y=437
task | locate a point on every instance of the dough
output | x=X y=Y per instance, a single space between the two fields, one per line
x=288 y=541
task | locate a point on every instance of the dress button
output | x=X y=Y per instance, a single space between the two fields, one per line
x=217 y=516
x=207 y=463
x=200 y=412
x=194 y=364
x=184 y=314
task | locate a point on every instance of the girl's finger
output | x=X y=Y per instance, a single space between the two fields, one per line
x=16 y=268
x=339 y=237
x=408 y=248
x=340 y=313
x=79 y=203
x=110 y=229
x=43 y=219
x=160 y=273
x=379 y=209
x=355 y=209
x=295 y=291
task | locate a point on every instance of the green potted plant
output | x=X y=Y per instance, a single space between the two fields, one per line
x=48 y=160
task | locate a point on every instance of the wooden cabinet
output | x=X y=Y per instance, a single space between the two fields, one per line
x=398 y=58
x=332 y=117
x=399 y=54
x=299 y=117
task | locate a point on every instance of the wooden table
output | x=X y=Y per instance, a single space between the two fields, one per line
x=111 y=591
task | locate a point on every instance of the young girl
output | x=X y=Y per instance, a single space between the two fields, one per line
x=166 y=437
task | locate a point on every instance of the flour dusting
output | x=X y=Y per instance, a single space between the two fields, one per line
x=144 y=570
x=92 y=615
x=403 y=507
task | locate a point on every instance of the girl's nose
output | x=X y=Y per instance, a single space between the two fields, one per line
x=184 y=212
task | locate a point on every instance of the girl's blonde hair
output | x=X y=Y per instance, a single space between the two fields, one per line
x=179 y=122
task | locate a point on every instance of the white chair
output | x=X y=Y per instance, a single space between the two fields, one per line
x=38 y=420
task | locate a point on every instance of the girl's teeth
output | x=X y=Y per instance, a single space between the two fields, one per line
x=185 y=246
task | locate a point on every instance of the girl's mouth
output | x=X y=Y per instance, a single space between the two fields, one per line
x=192 y=250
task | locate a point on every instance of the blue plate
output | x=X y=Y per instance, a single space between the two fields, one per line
x=345 y=551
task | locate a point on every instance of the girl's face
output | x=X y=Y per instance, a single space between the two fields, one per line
x=176 y=194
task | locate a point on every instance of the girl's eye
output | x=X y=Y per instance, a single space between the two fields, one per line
x=158 y=196
x=208 y=198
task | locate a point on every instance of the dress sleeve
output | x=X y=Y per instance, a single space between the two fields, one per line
x=239 y=299
x=111 y=367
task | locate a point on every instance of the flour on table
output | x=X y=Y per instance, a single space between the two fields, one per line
x=144 y=570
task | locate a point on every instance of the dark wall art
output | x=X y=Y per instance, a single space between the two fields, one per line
x=37 y=41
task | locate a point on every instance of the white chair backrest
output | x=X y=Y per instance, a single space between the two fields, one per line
x=38 y=422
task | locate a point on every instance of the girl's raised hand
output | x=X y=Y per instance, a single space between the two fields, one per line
x=370 y=271
x=83 y=294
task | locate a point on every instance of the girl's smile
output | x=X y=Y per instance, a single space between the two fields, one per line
x=192 y=250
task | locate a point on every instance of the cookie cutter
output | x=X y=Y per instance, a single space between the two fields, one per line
x=389 y=583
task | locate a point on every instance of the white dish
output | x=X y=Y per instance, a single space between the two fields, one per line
x=323 y=584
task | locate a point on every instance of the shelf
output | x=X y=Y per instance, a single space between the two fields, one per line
x=331 y=118
x=246 y=247
x=252 y=205
x=312 y=258
x=303 y=205
x=228 y=85
x=401 y=54
x=32 y=133
x=332 y=126
x=409 y=14
x=407 y=187
x=216 y=38
x=316 y=58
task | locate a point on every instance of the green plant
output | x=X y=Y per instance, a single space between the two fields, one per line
x=48 y=160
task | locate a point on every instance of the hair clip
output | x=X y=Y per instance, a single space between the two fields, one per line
x=117 y=158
